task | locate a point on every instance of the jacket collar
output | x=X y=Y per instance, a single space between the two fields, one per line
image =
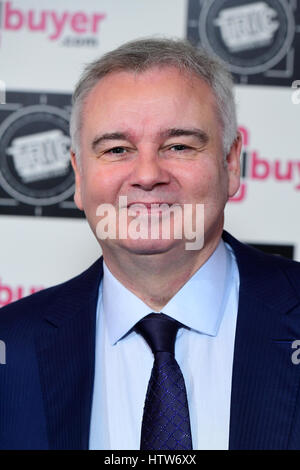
x=66 y=358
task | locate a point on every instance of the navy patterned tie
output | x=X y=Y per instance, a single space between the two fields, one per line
x=166 y=421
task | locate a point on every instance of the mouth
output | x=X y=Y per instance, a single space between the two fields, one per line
x=150 y=205
x=151 y=208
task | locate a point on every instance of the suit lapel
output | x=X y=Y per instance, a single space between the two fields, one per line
x=265 y=380
x=66 y=352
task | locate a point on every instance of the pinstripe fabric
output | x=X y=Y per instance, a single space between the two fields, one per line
x=46 y=385
x=265 y=381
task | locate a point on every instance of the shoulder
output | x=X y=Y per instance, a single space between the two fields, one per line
x=30 y=310
x=272 y=270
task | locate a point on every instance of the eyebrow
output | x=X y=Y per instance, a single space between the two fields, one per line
x=109 y=136
x=173 y=132
x=201 y=135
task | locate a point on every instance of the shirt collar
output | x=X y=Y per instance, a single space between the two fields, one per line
x=199 y=304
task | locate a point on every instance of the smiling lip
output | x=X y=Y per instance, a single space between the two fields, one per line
x=148 y=204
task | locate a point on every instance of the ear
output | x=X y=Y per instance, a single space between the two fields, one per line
x=233 y=165
x=77 y=173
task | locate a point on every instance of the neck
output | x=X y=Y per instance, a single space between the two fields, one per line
x=156 y=278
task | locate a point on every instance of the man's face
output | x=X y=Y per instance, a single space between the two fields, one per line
x=155 y=138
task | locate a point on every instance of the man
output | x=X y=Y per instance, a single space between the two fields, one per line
x=154 y=135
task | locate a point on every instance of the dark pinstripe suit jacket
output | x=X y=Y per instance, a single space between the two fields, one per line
x=46 y=384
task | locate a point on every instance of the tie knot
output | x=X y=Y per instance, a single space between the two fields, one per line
x=159 y=330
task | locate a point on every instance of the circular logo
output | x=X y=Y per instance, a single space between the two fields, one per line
x=250 y=36
x=35 y=164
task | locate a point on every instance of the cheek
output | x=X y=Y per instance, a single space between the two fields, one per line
x=200 y=180
x=209 y=187
x=101 y=185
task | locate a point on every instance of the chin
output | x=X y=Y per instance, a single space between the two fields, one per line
x=149 y=247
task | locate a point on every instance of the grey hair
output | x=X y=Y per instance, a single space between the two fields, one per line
x=142 y=54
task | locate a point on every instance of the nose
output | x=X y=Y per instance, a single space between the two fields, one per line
x=149 y=171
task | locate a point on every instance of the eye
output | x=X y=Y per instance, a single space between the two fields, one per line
x=179 y=147
x=116 y=150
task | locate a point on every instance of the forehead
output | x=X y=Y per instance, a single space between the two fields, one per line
x=157 y=95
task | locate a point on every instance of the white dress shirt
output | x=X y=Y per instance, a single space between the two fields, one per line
x=207 y=304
